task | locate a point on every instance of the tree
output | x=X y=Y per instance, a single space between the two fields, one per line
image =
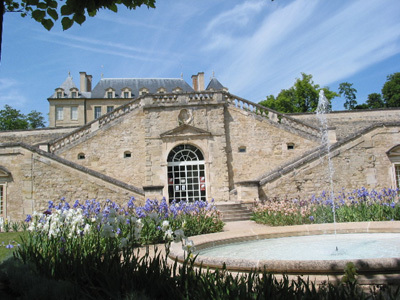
x=375 y=101
x=349 y=93
x=11 y=119
x=47 y=12
x=391 y=90
x=302 y=97
x=35 y=119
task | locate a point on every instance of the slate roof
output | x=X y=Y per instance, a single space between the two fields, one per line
x=135 y=84
x=67 y=85
x=215 y=85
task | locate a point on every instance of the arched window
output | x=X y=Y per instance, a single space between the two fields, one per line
x=394 y=157
x=186 y=174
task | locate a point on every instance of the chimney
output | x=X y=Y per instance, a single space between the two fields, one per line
x=195 y=83
x=89 y=83
x=200 y=77
x=83 y=81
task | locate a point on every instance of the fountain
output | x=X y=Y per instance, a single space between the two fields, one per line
x=290 y=251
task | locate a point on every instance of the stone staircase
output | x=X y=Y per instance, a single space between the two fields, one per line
x=233 y=211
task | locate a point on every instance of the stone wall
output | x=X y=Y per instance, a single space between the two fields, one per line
x=350 y=122
x=105 y=149
x=359 y=162
x=266 y=145
x=33 y=136
x=40 y=178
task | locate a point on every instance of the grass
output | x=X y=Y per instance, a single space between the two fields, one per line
x=7 y=238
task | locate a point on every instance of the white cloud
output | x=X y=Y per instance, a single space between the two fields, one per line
x=302 y=37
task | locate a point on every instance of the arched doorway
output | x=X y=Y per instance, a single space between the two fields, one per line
x=186 y=175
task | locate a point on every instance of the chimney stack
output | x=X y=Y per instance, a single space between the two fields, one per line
x=200 y=77
x=198 y=82
x=89 y=83
x=83 y=81
x=195 y=83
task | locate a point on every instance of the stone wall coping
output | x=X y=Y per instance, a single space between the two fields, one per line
x=75 y=166
x=317 y=152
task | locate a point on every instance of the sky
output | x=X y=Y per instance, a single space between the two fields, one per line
x=255 y=48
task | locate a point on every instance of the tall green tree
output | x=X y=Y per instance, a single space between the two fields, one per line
x=349 y=93
x=11 y=119
x=375 y=101
x=391 y=90
x=47 y=12
x=303 y=96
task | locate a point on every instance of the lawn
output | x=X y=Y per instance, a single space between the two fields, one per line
x=8 y=238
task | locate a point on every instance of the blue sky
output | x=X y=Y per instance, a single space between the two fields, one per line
x=255 y=47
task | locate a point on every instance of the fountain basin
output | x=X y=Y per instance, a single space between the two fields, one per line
x=372 y=270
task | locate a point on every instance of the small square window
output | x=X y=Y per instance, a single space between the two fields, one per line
x=242 y=149
x=81 y=156
x=73 y=94
x=290 y=146
x=109 y=94
x=127 y=154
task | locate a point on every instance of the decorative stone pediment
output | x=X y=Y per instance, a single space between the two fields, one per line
x=5 y=175
x=185 y=130
x=394 y=154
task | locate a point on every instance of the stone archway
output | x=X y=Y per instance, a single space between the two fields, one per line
x=186 y=174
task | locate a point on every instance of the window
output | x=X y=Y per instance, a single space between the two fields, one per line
x=127 y=154
x=74 y=113
x=81 y=156
x=97 y=112
x=242 y=149
x=109 y=94
x=126 y=94
x=73 y=94
x=186 y=174
x=161 y=90
x=143 y=91
x=110 y=109
x=397 y=175
x=59 y=113
x=290 y=146
x=59 y=94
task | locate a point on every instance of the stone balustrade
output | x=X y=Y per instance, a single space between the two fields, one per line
x=270 y=114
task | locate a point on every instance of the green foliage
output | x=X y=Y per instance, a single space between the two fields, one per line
x=11 y=119
x=47 y=12
x=375 y=101
x=302 y=97
x=349 y=93
x=391 y=90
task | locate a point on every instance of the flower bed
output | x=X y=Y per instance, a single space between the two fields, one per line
x=355 y=206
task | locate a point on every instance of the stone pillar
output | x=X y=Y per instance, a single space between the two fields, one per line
x=247 y=191
x=153 y=192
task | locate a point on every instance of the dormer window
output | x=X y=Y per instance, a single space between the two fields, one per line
x=126 y=93
x=161 y=90
x=59 y=93
x=73 y=94
x=177 y=90
x=143 y=91
x=110 y=93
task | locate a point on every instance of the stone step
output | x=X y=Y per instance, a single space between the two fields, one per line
x=234 y=212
